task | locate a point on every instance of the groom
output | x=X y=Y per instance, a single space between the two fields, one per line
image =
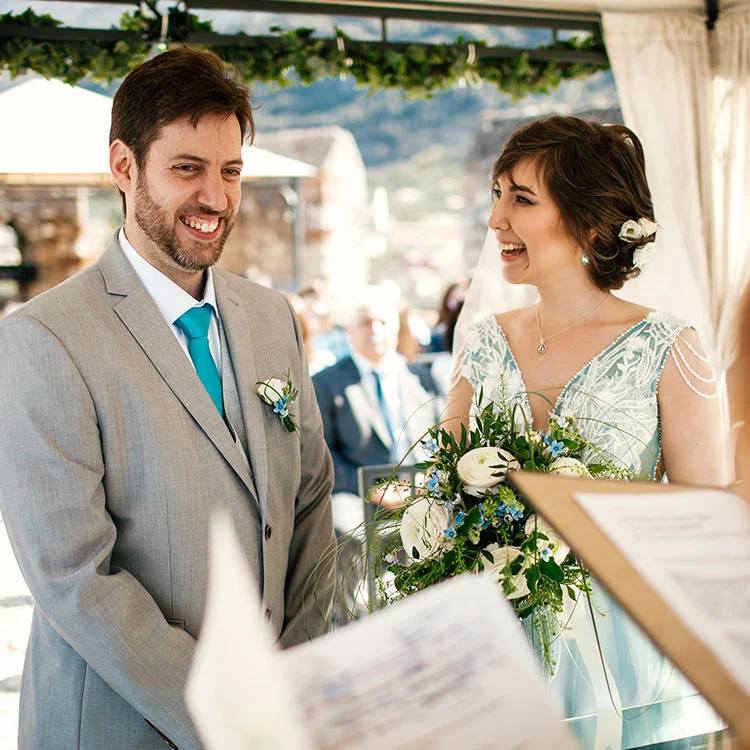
x=130 y=413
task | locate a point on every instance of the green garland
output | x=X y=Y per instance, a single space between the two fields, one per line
x=71 y=61
x=286 y=57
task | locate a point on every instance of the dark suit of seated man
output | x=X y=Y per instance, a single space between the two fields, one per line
x=375 y=406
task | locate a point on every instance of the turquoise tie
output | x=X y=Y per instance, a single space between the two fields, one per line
x=194 y=324
x=384 y=410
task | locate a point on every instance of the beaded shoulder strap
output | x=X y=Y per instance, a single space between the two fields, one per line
x=693 y=364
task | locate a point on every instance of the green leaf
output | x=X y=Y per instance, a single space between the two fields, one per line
x=550 y=569
x=532 y=577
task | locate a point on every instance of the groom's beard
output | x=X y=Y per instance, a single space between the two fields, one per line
x=160 y=227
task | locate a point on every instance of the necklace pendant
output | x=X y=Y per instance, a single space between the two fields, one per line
x=541 y=349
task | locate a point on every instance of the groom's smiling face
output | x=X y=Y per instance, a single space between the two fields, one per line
x=183 y=201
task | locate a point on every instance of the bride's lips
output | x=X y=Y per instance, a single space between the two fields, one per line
x=511 y=251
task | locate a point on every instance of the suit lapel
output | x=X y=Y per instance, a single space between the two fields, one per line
x=241 y=341
x=142 y=318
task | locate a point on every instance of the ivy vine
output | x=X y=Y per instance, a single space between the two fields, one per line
x=71 y=61
x=286 y=57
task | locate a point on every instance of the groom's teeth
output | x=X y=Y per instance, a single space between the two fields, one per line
x=202 y=226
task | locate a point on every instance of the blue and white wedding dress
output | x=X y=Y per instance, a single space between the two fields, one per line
x=614 y=400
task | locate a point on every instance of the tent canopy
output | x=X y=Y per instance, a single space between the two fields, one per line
x=55 y=134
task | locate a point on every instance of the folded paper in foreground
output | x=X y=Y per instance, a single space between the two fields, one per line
x=449 y=667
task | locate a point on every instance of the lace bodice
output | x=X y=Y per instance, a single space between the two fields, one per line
x=613 y=397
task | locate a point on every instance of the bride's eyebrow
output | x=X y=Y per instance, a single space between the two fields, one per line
x=521 y=189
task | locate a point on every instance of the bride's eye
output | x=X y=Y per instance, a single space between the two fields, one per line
x=496 y=193
x=523 y=201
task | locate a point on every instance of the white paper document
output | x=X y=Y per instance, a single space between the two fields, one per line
x=693 y=547
x=446 y=668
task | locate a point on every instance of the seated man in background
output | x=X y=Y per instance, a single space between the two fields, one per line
x=375 y=406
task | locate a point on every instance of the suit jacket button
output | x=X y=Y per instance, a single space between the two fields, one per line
x=268 y=615
x=268 y=531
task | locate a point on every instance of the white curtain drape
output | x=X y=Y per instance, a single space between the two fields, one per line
x=729 y=255
x=690 y=107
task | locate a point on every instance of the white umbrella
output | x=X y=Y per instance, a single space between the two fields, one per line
x=55 y=134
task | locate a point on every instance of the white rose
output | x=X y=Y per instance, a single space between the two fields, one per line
x=502 y=556
x=422 y=527
x=271 y=390
x=568 y=467
x=476 y=471
x=558 y=547
x=647 y=226
x=631 y=231
x=643 y=255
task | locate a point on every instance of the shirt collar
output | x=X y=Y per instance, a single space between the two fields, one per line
x=171 y=300
x=366 y=367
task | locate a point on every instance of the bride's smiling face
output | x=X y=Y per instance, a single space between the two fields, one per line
x=531 y=235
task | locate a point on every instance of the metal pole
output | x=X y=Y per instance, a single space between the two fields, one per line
x=299 y=233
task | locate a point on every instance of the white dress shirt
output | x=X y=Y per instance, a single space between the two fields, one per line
x=388 y=370
x=173 y=301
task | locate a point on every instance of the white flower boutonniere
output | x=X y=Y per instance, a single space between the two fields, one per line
x=281 y=395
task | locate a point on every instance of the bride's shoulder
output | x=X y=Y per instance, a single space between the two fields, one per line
x=513 y=320
x=631 y=314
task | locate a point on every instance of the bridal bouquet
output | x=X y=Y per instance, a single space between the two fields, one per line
x=466 y=518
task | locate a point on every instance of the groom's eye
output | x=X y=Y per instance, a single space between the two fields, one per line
x=496 y=194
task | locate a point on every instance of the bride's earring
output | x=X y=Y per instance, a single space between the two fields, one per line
x=585 y=259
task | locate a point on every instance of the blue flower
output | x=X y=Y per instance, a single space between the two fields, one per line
x=555 y=448
x=460 y=519
x=545 y=553
x=430 y=446
x=509 y=513
x=280 y=408
x=515 y=512
x=449 y=533
x=434 y=480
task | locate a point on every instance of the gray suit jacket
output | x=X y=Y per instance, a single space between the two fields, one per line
x=112 y=457
x=355 y=429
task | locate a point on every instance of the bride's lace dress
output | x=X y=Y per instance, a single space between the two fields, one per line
x=614 y=400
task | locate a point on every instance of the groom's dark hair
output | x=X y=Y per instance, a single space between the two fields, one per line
x=181 y=82
x=596 y=174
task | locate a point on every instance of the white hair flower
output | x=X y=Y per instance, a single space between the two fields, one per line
x=632 y=230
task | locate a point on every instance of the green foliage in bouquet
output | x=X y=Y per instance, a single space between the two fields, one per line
x=467 y=518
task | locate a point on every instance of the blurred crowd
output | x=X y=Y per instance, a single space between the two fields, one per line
x=425 y=337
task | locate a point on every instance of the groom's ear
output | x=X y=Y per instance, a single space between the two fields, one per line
x=122 y=165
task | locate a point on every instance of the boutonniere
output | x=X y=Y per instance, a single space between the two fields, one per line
x=281 y=395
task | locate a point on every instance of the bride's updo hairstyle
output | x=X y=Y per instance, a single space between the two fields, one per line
x=596 y=175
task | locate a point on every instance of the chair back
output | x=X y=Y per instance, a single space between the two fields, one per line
x=367 y=478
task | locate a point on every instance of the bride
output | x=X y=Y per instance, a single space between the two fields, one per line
x=574 y=218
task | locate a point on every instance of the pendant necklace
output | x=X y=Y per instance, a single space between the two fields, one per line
x=542 y=348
